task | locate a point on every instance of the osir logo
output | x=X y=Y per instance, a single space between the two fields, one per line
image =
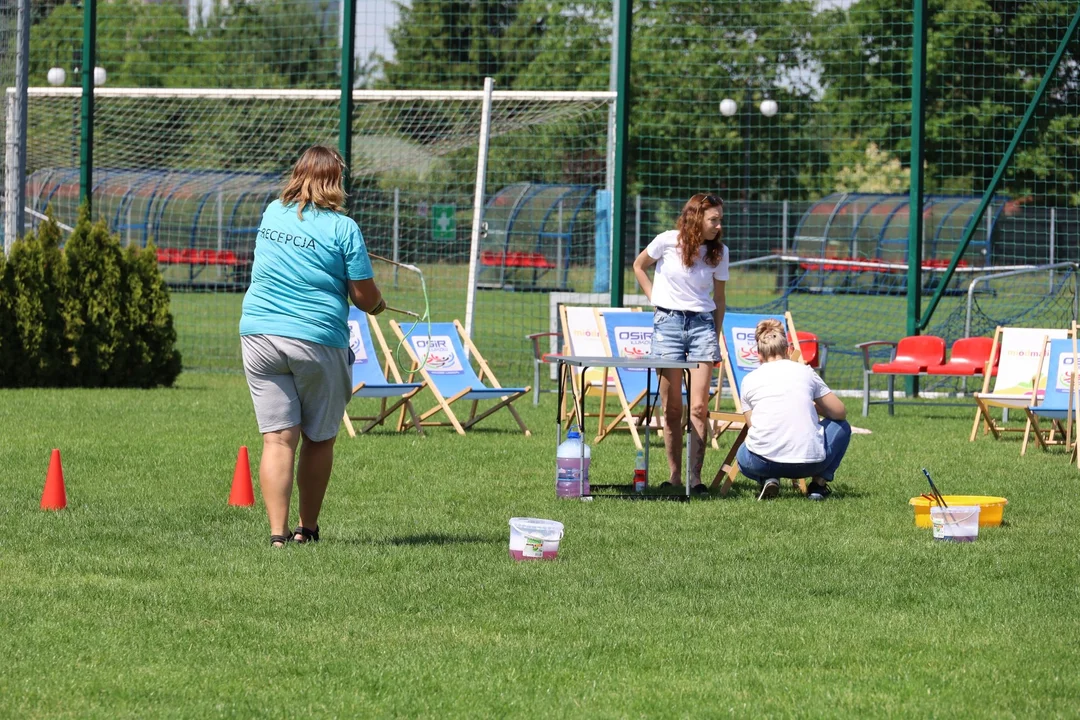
x=439 y=351
x=1064 y=373
x=745 y=350
x=633 y=342
x=356 y=343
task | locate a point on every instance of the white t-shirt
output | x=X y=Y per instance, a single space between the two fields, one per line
x=677 y=287
x=784 y=426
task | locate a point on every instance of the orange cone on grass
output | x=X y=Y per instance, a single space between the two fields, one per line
x=55 y=495
x=241 y=494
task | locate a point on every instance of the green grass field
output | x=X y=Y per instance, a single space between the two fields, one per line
x=150 y=597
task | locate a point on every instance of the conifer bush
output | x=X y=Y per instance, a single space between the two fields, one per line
x=89 y=315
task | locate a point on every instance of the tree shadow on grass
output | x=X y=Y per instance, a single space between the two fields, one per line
x=438 y=539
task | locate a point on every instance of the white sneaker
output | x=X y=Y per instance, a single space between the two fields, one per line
x=770 y=489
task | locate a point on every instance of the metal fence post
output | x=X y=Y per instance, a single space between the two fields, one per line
x=345 y=113
x=86 y=140
x=624 y=29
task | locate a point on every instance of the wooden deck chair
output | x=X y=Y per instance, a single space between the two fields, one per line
x=628 y=334
x=369 y=381
x=1058 y=402
x=583 y=335
x=739 y=356
x=1018 y=351
x=440 y=359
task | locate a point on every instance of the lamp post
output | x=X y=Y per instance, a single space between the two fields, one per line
x=57 y=77
x=728 y=108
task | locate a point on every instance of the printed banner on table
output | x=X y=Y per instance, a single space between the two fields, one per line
x=439 y=351
x=633 y=342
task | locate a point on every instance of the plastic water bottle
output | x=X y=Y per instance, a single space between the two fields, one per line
x=568 y=479
x=641 y=478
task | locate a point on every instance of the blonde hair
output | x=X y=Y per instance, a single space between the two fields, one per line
x=317 y=179
x=771 y=340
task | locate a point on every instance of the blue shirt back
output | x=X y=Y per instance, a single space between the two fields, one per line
x=299 y=279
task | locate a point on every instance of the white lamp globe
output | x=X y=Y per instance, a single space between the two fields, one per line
x=56 y=76
x=728 y=107
x=99 y=76
x=769 y=108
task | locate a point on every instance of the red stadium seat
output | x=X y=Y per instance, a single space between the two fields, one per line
x=968 y=357
x=913 y=355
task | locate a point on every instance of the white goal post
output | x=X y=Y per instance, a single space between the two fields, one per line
x=215 y=131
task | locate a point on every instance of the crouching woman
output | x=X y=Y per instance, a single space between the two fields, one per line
x=782 y=400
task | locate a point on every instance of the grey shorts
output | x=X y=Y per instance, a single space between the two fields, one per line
x=684 y=335
x=297 y=382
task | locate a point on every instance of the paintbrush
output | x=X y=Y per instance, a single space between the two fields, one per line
x=940 y=498
x=933 y=487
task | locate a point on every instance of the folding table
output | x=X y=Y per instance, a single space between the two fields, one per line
x=649 y=365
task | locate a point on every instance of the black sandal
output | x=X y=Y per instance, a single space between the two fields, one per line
x=283 y=539
x=305 y=535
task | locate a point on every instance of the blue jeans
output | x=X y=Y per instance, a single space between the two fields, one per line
x=684 y=336
x=837 y=436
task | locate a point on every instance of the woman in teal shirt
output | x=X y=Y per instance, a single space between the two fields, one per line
x=310 y=260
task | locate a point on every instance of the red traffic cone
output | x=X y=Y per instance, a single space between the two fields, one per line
x=241 y=494
x=55 y=496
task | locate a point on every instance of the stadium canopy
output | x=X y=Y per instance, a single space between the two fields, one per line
x=533 y=229
x=203 y=209
x=869 y=227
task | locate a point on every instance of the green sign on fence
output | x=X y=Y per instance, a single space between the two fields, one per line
x=443 y=222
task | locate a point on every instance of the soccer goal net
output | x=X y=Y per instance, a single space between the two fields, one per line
x=193 y=169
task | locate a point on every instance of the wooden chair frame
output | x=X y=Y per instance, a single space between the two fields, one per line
x=443 y=403
x=1046 y=437
x=984 y=399
x=404 y=401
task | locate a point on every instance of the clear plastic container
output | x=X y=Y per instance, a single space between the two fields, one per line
x=957 y=523
x=569 y=481
x=534 y=538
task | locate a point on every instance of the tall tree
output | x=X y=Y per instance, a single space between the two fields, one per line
x=244 y=44
x=984 y=61
x=455 y=44
x=687 y=58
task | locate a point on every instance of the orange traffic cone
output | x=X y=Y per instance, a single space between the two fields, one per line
x=241 y=494
x=55 y=496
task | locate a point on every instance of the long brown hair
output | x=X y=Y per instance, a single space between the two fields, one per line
x=689 y=226
x=316 y=180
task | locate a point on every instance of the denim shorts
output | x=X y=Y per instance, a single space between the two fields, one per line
x=684 y=335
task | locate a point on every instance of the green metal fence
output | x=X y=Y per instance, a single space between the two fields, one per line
x=783 y=107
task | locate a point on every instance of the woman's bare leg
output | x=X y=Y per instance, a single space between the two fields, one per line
x=700 y=379
x=671 y=397
x=312 y=477
x=276 y=476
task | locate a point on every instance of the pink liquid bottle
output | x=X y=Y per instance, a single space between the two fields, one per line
x=571 y=477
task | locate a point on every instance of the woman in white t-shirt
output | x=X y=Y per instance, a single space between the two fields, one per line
x=782 y=400
x=688 y=292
